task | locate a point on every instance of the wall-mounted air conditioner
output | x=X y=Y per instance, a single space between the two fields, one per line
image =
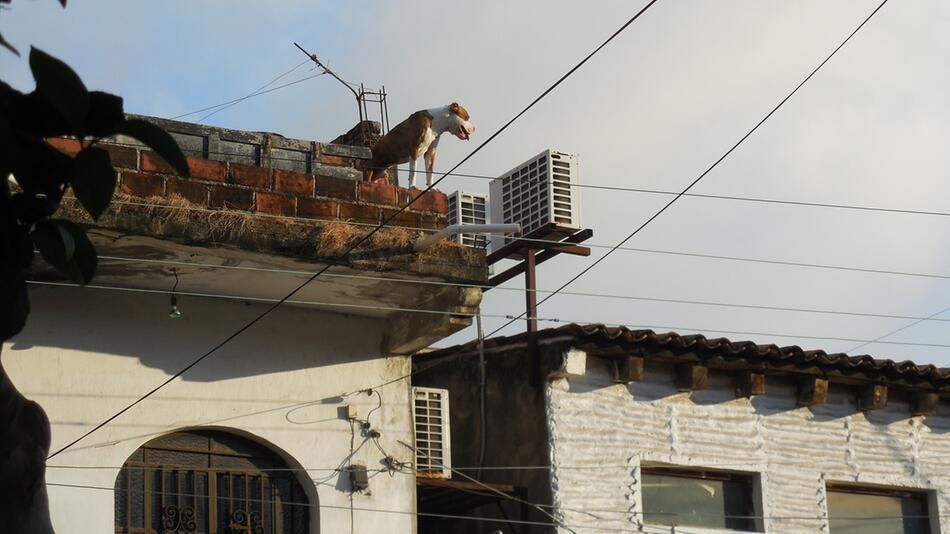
x=469 y=208
x=430 y=409
x=540 y=193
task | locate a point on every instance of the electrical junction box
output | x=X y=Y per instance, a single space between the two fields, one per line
x=541 y=193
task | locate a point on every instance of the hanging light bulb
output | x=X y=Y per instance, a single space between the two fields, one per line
x=175 y=313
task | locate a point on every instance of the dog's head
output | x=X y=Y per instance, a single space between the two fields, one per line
x=463 y=128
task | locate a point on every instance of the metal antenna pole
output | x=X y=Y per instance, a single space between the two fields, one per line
x=313 y=57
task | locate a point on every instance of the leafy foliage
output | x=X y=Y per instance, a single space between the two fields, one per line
x=59 y=106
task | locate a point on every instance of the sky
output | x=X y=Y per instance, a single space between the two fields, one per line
x=652 y=110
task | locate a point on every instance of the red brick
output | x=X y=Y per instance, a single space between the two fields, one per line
x=293 y=182
x=207 y=169
x=250 y=176
x=317 y=208
x=69 y=146
x=152 y=162
x=411 y=219
x=194 y=192
x=276 y=204
x=122 y=156
x=198 y=168
x=142 y=185
x=378 y=193
x=338 y=161
x=341 y=188
x=431 y=201
x=359 y=213
x=232 y=198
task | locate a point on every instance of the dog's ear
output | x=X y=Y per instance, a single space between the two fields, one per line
x=454 y=107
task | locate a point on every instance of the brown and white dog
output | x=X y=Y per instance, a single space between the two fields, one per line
x=416 y=136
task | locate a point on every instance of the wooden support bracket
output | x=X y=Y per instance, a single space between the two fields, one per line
x=924 y=403
x=812 y=390
x=628 y=369
x=691 y=376
x=873 y=397
x=749 y=384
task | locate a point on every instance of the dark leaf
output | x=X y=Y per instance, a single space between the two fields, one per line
x=158 y=140
x=54 y=242
x=14 y=304
x=64 y=245
x=23 y=246
x=40 y=168
x=105 y=114
x=93 y=180
x=32 y=114
x=63 y=2
x=8 y=46
x=61 y=87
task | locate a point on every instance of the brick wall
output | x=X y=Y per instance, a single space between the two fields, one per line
x=265 y=173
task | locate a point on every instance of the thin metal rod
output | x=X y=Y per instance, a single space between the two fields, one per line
x=313 y=57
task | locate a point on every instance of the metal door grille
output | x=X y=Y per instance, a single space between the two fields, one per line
x=240 y=488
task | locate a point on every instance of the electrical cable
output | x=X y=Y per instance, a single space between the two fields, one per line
x=241 y=99
x=360 y=241
x=704 y=173
x=251 y=94
x=478 y=518
x=799 y=203
x=495 y=316
x=551 y=241
x=932 y=317
x=901 y=329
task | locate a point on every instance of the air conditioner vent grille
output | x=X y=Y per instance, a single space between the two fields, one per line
x=536 y=194
x=469 y=208
x=431 y=424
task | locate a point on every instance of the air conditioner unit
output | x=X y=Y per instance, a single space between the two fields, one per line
x=541 y=195
x=430 y=408
x=469 y=208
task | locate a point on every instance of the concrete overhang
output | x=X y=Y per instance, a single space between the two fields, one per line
x=423 y=297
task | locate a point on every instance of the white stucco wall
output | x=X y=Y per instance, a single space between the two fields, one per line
x=600 y=432
x=87 y=353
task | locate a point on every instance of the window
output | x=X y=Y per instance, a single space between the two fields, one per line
x=869 y=510
x=204 y=482
x=699 y=498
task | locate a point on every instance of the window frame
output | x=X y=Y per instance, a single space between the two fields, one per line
x=698 y=472
x=927 y=496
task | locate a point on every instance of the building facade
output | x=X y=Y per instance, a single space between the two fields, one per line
x=296 y=424
x=632 y=431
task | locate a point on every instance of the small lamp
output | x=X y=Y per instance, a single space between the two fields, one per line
x=175 y=313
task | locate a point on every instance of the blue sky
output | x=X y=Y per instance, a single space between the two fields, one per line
x=653 y=110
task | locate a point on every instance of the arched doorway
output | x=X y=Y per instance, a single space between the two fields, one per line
x=208 y=482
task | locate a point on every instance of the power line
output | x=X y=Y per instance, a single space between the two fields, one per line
x=364 y=238
x=704 y=173
x=523 y=290
x=251 y=94
x=761 y=200
x=256 y=92
x=592 y=245
x=506 y=521
x=496 y=316
x=901 y=329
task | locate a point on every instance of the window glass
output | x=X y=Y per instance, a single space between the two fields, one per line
x=697 y=498
x=857 y=510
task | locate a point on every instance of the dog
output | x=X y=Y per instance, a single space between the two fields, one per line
x=416 y=136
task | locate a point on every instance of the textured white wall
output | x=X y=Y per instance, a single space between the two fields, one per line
x=601 y=431
x=87 y=353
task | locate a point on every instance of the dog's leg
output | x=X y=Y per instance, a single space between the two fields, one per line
x=430 y=161
x=412 y=174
